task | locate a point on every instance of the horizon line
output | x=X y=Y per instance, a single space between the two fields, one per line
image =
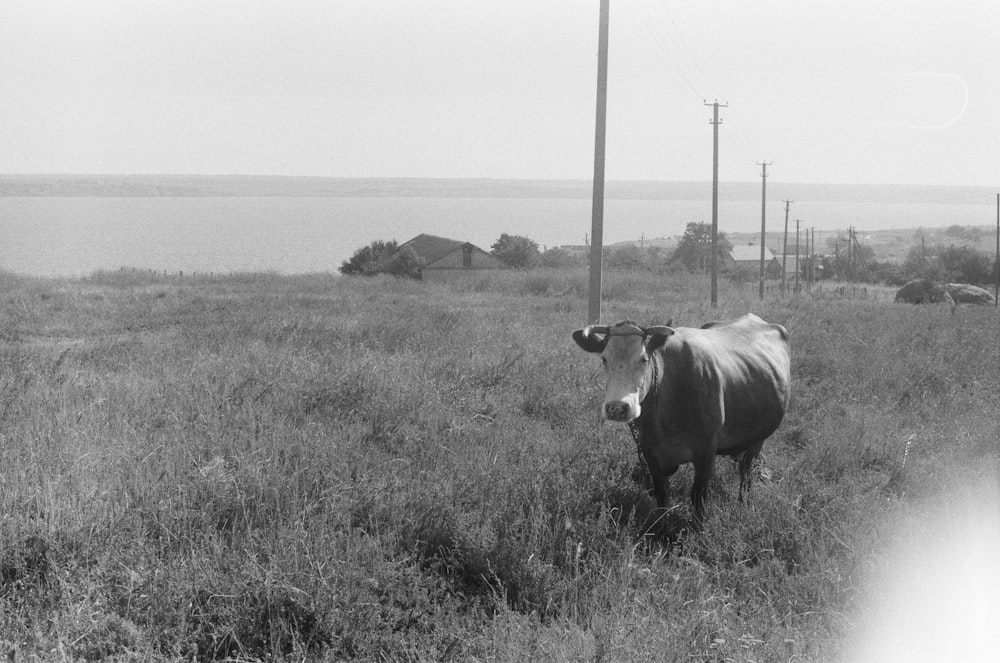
x=485 y=179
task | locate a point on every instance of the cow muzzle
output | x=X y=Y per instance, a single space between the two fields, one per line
x=621 y=411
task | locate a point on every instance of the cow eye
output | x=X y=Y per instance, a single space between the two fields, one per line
x=644 y=359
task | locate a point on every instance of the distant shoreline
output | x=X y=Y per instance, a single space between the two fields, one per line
x=139 y=186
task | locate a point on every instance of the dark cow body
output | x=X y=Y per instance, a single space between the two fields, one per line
x=923 y=291
x=694 y=394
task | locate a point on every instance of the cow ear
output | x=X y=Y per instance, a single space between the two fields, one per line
x=590 y=340
x=657 y=336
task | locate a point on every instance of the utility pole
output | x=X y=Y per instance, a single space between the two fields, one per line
x=715 y=199
x=763 y=207
x=784 y=249
x=812 y=257
x=850 y=248
x=597 y=209
x=807 y=267
x=796 y=256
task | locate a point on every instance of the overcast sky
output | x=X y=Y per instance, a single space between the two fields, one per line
x=855 y=92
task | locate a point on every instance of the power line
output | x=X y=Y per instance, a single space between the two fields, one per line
x=667 y=60
x=670 y=49
x=685 y=53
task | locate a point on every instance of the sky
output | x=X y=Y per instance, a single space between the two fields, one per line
x=904 y=92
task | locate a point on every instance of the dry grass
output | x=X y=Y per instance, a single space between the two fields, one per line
x=264 y=467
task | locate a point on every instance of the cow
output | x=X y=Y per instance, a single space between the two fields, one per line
x=963 y=293
x=924 y=291
x=692 y=394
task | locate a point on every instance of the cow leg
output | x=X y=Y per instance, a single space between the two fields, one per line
x=659 y=479
x=746 y=464
x=661 y=485
x=661 y=489
x=704 y=465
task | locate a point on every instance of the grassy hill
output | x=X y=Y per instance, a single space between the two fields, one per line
x=319 y=468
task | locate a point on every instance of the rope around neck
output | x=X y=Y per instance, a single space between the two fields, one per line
x=635 y=425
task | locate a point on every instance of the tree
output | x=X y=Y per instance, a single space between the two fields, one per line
x=516 y=251
x=962 y=264
x=364 y=259
x=695 y=248
x=860 y=265
x=917 y=265
x=959 y=264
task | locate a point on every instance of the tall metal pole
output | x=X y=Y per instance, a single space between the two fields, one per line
x=796 y=256
x=763 y=207
x=784 y=249
x=597 y=209
x=715 y=200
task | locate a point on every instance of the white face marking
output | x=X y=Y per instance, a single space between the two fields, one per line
x=626 y=366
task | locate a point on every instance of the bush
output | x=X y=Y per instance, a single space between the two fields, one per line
x=364 y=259
x=405 y=262
x=560 y=258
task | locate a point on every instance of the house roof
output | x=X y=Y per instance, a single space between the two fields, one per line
x=750 y=253
x=432 y=248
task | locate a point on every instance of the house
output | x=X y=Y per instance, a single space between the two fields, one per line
x=801 y=265
x=747 y=257
x=440 y=257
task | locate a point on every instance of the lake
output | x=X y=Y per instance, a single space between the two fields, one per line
x=73 y=236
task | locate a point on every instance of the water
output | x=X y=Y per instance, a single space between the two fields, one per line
x=73 y=236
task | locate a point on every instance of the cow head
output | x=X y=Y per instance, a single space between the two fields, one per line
x=627 y=352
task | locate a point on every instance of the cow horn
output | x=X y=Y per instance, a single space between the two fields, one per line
x=592 y=338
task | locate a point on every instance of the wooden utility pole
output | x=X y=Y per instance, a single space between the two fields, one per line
x=784 y=249
x=715 y=199
x=796 y=256
x=763 y=207
x=597 y=209
x=812 y=256
x=805 y=266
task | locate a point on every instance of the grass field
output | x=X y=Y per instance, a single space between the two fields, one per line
x=316 y=468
